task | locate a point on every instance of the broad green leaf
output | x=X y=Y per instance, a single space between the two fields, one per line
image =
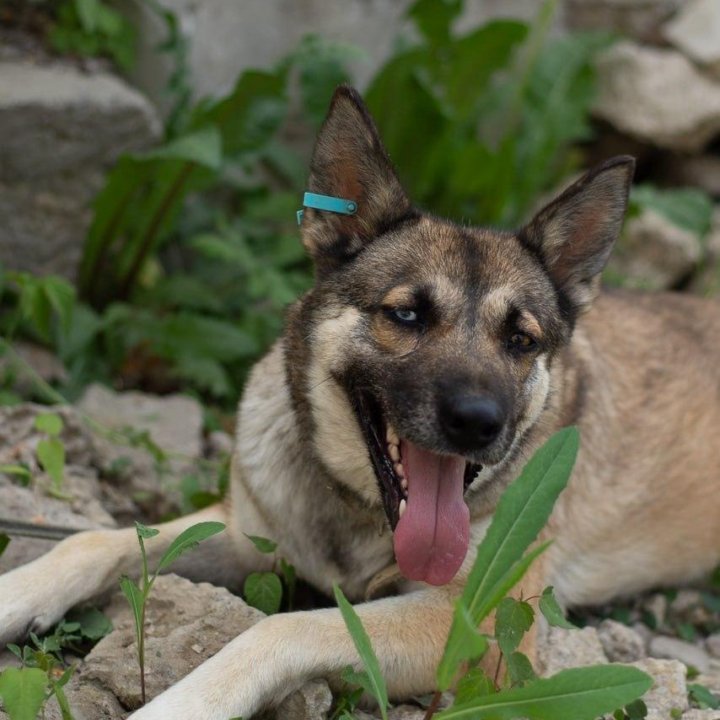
x=434 y=18
x=365 y=650
x=203 y=147
x=93 y=624
x=551 y=610
x=575 y=694
x=88 y=12
x=263 y=590
x=49 y=423
x=4 y=542
x=262 y=544
x=135 y=598
x=513 y=619
x=522 y=512
x=474 y=684
x=51 y=454
x=519 y=668
x=464 y=643
x=703 y=696
x=188 y=539
x=687 y=208
x=23 y=692
x=145 y=532
x=636 y=710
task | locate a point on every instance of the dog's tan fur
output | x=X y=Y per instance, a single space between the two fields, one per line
x=639 y=376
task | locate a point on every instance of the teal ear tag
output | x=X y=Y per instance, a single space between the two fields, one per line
x=327 y=203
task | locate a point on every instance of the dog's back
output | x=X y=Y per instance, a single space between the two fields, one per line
x=643 y=506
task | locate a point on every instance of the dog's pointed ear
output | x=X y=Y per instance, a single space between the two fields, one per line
x=574 y=235
x=350 y=162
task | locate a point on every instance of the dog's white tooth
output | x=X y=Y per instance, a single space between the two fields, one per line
x=403 y=483
x=394 y=451
x=399 y=470
x=392 y=436
x=401 y=508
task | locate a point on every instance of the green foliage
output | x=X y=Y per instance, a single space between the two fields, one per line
x=488 y=119
x=51 y=451
x=703 y=697
x=502 y=558
x=137 y=594
x=551 y=610
x=687 y=208
x=4 y=542
x=371 y=678
x=23 y=692
x=263 y=590
x=93 y=28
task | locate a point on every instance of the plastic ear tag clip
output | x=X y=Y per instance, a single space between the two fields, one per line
x=328 y=204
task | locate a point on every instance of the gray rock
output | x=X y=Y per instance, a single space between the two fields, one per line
x=564 y=649
x=657 y=96
x=669 y=690
x=657 y=606
x=639 y=19
x=696 y=31
x=186 y=623
x=701 y=715
x=654 y=254
x=712 y=644
x=673 y=648
x=50 y=172
x=702 y=171
x=620 y=642
x=174 y=422
x=311 y=702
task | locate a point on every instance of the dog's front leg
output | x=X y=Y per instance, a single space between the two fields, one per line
x=36 y=595
x=274 y=657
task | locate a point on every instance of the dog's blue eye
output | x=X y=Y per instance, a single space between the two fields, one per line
x=404 y=316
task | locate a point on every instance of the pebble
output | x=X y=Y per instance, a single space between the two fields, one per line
x=673 y=648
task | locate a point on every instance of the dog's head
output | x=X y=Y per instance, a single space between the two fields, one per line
x=431 y=343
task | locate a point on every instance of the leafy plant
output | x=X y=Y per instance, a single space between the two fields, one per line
x=25 y=690
x=137 y=595
x=502 y=559
x=92 y=28
x=264 y=590
x=51 y=451
x=488 y=119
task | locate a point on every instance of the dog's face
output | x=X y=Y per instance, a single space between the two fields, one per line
x=431 y=343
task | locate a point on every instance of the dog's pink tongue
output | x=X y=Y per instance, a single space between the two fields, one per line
x=431 y=539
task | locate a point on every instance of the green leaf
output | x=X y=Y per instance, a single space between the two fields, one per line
x=93 y=624
x=19 y=470
x=464 y=643
x=188 y=539
x=262 y=544
x=522 y=512
x=145 y=532
x=550 y=608
x=636 y=710
x=51 y=454
x=687 y=208
x=263 y=590
x=23 y=692
x=575 y=694
x=434 y=18
x=365 y=650
x=474 y=684
x=49 y=423
x=519 y=668
x=703 y=697
x=513 y=619
x=4 y=542
x=135 y=598
x=88 y=12
x=203 y=147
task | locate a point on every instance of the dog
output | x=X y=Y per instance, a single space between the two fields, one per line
x=411 y=384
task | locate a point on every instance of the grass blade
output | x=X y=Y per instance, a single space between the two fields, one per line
x=365 y=650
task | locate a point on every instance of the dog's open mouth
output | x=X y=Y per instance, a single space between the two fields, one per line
x=422 y=493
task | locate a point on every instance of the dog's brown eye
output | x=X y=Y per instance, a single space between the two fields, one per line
x=522 y=341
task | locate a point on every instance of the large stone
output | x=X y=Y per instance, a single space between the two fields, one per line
x=669 y=690
x=657 y=96
x=639 y=19
x=186 y=624
x=655 y=254
x=563 y=649
x=676 y=649
x=67 y=128
x=620 y=642
x=696 y=31
x=311 y=702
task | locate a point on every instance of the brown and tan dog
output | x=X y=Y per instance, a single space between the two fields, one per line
x=411 y=384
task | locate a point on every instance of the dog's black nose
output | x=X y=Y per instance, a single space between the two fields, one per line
x=470 y=421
